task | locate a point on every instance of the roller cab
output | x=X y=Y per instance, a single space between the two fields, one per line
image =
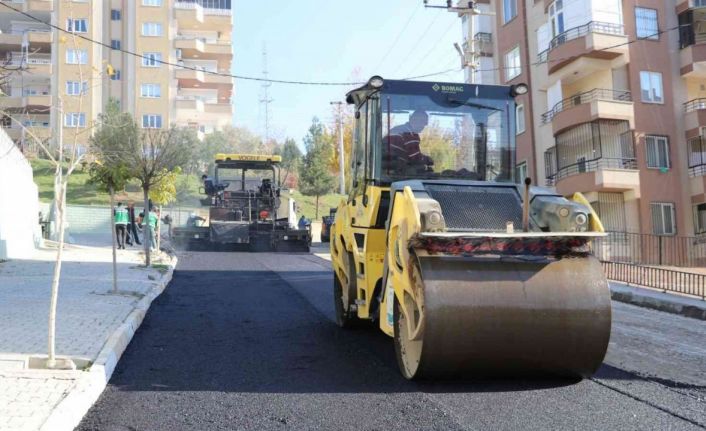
x=470 y=270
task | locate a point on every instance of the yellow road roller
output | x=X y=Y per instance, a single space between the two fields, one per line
x=471 y=270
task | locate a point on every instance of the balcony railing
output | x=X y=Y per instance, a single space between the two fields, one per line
x=580 y=31
x=594 y=165
x=694 y=105
x=483 y=37
x=586 y=97
x=207 y=7
x=697 y=156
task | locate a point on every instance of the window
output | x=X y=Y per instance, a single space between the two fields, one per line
x=520 y=119
x=646 y=23
x=520 y=172
x=556 y=17
x=663 y=218
x=79 y=25
x=151 y=29
x=513 y=68
x=151 y=2
x=150 y=90
x=115 y=44
x=115 y=15
x=76 y=88
x=76 y=56
x=657 y=151
x=75 y=119
x=700 y=218
x=151 y=121
x=152 y=59
x=509 y=10
x=116 y=75
x=651 y=87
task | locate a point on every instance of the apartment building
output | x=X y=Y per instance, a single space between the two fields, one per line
x=617 y=102
x=182 y=47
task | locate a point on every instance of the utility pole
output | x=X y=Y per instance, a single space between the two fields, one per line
x=266 y=100
x=341 y=163
x=471 y=52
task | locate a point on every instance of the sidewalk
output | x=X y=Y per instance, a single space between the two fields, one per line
x=93 y=328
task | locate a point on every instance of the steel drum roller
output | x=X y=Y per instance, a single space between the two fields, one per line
x=509 y=316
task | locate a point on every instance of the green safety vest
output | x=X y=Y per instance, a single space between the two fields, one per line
x=121 y=216
x=152 y=220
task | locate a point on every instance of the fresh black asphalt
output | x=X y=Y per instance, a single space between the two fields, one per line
x=247 y=341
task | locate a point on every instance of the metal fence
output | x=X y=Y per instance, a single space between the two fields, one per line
x=646 y=249
x=667 y=280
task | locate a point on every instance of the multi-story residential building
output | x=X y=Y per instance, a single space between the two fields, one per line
x=166 y=61
x=617 y=102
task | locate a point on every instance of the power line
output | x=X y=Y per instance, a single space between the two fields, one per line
x=414 y=46
x=433 y=47
x=180 y=66
x=397 y=39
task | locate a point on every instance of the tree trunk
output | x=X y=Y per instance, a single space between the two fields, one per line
x=146 y=224
x=112 y=231
x=60 y=204
x=317 y=208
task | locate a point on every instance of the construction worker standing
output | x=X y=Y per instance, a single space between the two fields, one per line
x=153 y=220
x=121 y=219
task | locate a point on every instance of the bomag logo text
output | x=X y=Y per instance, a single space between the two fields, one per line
x=448 y=88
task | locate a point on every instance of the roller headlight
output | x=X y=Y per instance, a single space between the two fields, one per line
x=581 y=219
x=376 y=82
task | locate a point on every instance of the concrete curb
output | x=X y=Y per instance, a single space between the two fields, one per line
x=67 y=414
x=667 y=302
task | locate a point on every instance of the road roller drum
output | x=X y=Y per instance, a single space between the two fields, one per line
x=507 y=317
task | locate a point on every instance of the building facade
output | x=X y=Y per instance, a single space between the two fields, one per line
x=163 y=60
x=617 y=102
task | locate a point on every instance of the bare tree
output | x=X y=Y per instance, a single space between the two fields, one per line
x=65 y=155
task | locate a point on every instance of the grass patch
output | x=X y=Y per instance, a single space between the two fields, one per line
x=307 y=204
x=80 y=192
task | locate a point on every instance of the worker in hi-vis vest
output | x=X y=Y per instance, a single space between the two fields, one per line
x=153 y=220
x=121 y=219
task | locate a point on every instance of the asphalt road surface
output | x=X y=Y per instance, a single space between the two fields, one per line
x=248 y=341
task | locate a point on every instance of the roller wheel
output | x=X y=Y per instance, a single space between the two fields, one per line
x=409 y=332
x=503 y=318
x=344 y=296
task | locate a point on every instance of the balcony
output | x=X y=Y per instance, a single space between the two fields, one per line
x=39 y=5
x=195 y=78
x=31 y=103
x=38 y=130
x=481 y=43
x=589 y=106
x=37 y=66
x=594 y=43
x=594 y=157
x=189 y=103
x=193 y=15
x=201 y=46
x=36 y=38
x=697 y=156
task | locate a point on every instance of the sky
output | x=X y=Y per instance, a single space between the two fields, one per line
x=333 y=41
